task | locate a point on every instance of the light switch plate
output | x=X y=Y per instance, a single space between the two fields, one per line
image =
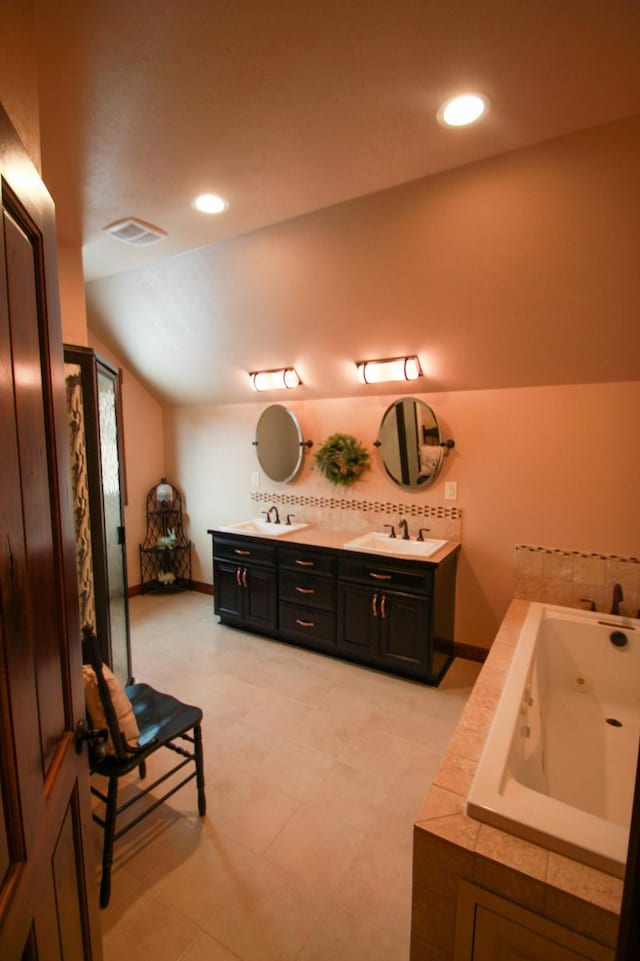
x=255 y=478
x=450 y=490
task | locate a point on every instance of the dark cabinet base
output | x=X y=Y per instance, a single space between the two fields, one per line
x=394 y=615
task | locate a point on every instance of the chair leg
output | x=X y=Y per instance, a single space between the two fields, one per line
x=142 y=770
x=197 y=743
x=109 y=832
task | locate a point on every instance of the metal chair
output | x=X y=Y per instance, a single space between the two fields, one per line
x=163 y=722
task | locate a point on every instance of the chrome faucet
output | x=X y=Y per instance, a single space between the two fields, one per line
x=618 y=596
x=273 y=508
x=402 y=525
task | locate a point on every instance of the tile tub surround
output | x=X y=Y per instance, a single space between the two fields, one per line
x=450 y=846
x=559 y=576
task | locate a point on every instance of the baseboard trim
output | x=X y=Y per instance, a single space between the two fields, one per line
x=134 y=589
x=467 y=651
x=202 y=588
x=470 y=652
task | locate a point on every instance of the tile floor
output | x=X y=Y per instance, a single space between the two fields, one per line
x=315 y=771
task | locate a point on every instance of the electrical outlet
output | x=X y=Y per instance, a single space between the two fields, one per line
x=255 y=478
x=451 y=490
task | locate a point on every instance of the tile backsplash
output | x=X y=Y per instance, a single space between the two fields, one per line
x=359 y=516
x=574 y=578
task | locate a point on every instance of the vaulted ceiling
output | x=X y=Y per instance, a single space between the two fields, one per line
x=284 y=108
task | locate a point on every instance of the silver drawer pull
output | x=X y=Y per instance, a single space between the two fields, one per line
x=305 y=623
x=305 y=590
x=380 y=577
x=306 y=563
x=236 y=550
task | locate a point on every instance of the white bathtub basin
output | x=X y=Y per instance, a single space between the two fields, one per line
x=375 y=543
x=262 y=527
x=558 y=766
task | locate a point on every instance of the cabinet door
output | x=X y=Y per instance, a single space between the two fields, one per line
x=259 y=597
x=499 y=939
x=404 y=633
x=358 y=621
x=492 y=928
x=228 y=599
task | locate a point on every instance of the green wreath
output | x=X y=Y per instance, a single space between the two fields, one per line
x=342 y=459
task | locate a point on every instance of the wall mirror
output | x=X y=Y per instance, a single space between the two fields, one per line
x=410 y=443
x=279 y=443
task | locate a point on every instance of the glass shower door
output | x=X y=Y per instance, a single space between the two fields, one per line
x=97 y=471
x=113 y=523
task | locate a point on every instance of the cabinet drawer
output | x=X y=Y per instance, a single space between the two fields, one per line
x=314 y=627
x=243 y=549
x=385 y=574
x=307 y=590
x=302 y=559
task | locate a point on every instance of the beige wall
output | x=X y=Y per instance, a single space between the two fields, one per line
x=515 y=271
x=19 y=74
x=19 y=97
x=144 y=455
x=73 y=310
x=549 y=466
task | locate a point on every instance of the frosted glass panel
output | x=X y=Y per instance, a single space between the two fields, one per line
x=113 y=523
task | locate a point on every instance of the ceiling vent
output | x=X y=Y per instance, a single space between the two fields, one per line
x=135 y=232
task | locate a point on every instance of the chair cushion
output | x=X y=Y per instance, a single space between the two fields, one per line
x=121 y=705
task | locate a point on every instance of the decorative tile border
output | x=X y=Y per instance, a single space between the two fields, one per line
x=377 y=507
x=576 y=578
x=362 y=515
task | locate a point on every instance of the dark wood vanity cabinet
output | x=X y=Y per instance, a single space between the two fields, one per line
x=392 y=614
x=245 y=583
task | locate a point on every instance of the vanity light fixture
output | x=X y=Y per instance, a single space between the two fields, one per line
x=275 y=379
x=463 y=110
x=391 y=368
x=210 y=204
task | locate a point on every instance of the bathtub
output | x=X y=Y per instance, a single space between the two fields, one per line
x=558 y=766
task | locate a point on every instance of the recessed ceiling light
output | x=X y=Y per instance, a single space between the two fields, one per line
x=210 y=204
x=462 y=110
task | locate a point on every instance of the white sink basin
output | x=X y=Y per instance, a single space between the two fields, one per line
x=263 y=528
x=375 y=543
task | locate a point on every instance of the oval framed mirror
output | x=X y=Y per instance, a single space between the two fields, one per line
x=279 y=443
x=410 y=443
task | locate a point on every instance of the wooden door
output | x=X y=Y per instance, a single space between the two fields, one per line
x=48 y=894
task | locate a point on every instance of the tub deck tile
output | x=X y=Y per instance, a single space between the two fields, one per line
x=450 y=846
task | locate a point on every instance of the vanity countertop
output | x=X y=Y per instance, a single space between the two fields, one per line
x=314 y=536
